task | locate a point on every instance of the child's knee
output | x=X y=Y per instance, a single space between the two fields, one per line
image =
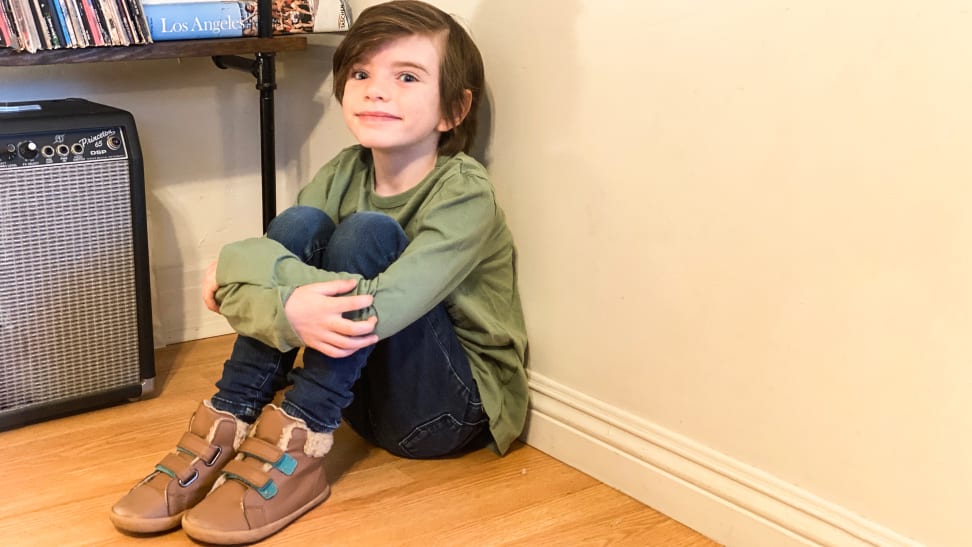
x=366 y=243
x=296 y=227
x=371 y=221
x=370 y=229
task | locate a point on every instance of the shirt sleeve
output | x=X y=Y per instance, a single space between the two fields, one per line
x=446 y=246
x=252 y=295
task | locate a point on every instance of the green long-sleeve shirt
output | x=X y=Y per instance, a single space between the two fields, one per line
x=460 y=251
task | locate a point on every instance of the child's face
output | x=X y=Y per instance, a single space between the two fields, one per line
x=391 y=98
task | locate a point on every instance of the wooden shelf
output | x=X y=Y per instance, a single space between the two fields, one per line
x=158 y=50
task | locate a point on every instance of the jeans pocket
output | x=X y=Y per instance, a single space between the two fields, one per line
x=440 y=436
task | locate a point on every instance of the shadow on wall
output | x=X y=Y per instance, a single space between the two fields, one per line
x=484 y=131
x=531 y=79
x=304 y=95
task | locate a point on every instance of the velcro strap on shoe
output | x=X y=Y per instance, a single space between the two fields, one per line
x=251 y=475
x=177 y=468
x=269 y=453
x=199 y=447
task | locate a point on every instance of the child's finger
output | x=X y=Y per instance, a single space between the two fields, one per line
x=333 y=288
x=350 y=303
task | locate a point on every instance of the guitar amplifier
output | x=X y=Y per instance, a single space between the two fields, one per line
x=75 y=305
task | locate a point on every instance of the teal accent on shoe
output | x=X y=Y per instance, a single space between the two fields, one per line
x=266 y=491
x=286 y=464
x=163 y=469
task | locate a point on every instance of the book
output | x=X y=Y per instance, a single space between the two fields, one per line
x=82 y=37
x=331 y=15
x=201 y=19
x=4 y=31
x=70 y=38
x=40 y=25
x=8 y=30
x=86 y=24
x=104 y=9
x=99 y=33
x=26 y=28
x=53 y=23
x=305 y=16
x=138 y=19
x=127 y=32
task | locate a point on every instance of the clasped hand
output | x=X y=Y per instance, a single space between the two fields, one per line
x=317 y=314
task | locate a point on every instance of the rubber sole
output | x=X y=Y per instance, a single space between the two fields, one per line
x=138 y=525
x=233 y=537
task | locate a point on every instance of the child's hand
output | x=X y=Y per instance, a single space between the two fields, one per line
x=209 y=287
x=316 y=316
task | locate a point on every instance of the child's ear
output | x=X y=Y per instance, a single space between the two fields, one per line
x=446 y=124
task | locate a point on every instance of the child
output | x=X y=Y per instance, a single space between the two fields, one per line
x=395 y=271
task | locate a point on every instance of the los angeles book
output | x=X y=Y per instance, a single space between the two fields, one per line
x=195 y=19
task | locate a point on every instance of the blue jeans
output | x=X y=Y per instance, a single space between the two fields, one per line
x=412 y=393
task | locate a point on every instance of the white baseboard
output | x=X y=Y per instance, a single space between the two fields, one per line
x=178 y=312
x=198 y=331
x=724 y=499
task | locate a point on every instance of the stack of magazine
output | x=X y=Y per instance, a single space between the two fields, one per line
x=33 y=25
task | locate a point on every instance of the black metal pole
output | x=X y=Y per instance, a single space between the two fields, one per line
x=266 y=75
x=266 y=83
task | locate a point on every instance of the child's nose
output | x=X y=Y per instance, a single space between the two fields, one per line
x=375 y=90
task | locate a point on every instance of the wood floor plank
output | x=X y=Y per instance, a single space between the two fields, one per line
x=62 y=476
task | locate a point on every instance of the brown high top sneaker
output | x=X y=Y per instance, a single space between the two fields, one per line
x=183 y=477
x=277 y=477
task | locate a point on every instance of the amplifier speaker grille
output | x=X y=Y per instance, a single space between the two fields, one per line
x=72 y=334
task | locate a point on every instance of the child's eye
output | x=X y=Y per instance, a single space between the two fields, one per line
x=407 y=77
x=358 y=75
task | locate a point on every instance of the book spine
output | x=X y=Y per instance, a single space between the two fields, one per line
x=5 y=33
x=138 y=17
x=7 y=13
x=126 y=21
x=124 y=30
x=201 y=20
x=70 y=39
x=80 y=36
x=19 y=23
x=111 y=26
x=29 y=34
x=58 y=39
x=84 y=24
x=44 y=31
x=98 y=31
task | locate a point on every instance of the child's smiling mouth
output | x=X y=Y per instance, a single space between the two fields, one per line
x=377 y=116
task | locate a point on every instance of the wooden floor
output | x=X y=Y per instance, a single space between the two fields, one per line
x=60 y=477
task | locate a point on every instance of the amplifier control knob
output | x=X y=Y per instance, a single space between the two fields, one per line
x=28 y=150
x=8 y=152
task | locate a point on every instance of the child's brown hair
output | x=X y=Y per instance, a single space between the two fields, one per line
x=461 y=68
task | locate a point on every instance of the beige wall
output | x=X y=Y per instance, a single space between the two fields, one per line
x=745 y=222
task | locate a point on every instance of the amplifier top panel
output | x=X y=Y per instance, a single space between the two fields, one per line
x=62 y=131
x=61 y=115
x=62 y=147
